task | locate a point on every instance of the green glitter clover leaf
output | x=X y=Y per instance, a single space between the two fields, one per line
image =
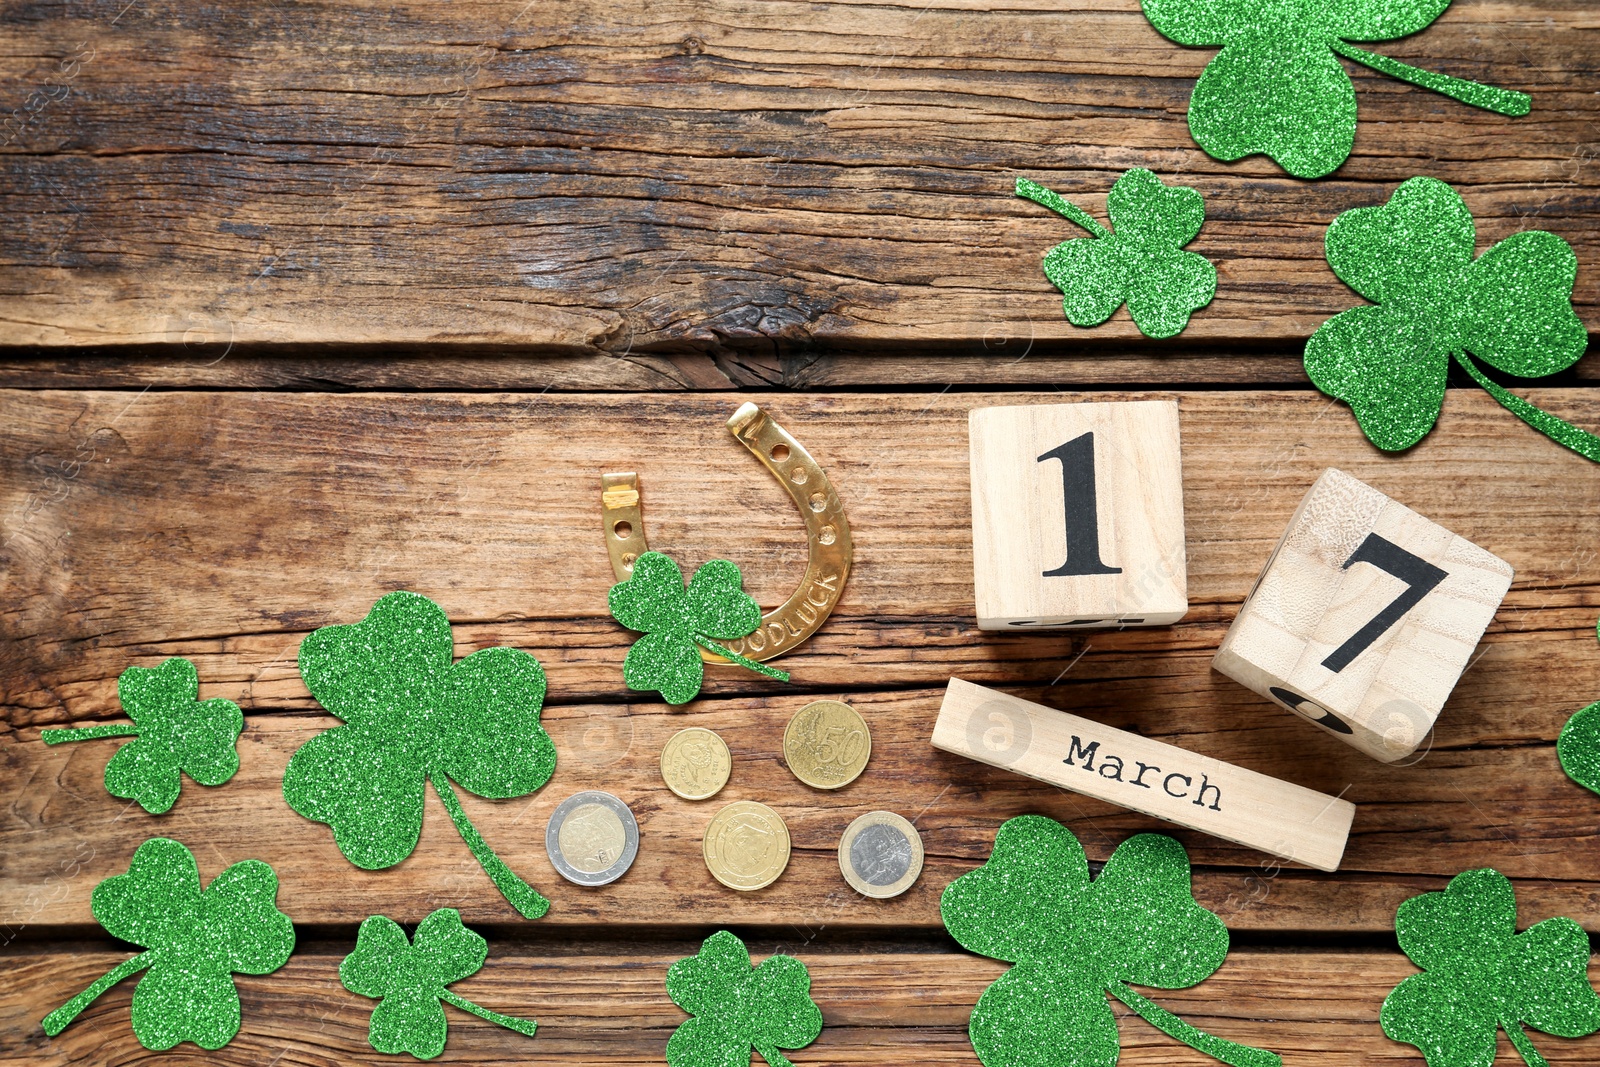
x=654 y=602
x=1480 y=975
x=1141 y=262
x=735 y=1008
x=195 y=941
x=412 y=716
x=173 y=732
x=1073 y=941
x=1276 y=87
x=408 y=979
x=1511 y=307
x=1578 y=747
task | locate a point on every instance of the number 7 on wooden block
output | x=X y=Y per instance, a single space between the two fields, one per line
x=1420 y=577
x=1148 y=776
x=1364 y=617
x=1077 y=515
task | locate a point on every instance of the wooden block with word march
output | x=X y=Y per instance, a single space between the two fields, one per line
x=1364 y=618
x=1077 y=515
x=1148 y=776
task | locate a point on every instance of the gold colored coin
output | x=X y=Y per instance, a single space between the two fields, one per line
x=695 y=763
x=746 y=846
x=880 y=855
x=827 y=744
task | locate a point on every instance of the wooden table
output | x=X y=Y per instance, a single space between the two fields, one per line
x=302 y=304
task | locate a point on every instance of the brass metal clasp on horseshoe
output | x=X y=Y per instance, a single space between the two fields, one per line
x=827 y=534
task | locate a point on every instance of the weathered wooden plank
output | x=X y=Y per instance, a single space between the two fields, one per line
x=1317 y=1007
x=1014 y=362
x=225 y=526
x=1487 y=793
x=720 y=177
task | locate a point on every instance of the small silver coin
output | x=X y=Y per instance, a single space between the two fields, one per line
x=880 y=855
x=592 y=838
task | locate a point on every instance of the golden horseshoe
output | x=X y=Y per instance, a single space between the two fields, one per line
x=827 y=534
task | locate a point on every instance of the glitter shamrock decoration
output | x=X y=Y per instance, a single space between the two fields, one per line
x=1276 y=87
x=1511 y=307
x=408 y=979
x=674 y=620
x=736 y=1007
x=411 y=716
x=173 y=732
x=1073 y=941
x=195 y=941
x=1480 y=975
x=1578 y=747
x=1141 y=262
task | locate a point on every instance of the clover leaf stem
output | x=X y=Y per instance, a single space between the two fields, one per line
x=61 y=735
x=1520 y=1042
x=748 y=664
x=521 y=1026
x=1559 y=430
x=773 y=1057
x=57 y=1020
x=521 y=895
x=1053 y=200
x=1228 y=1052
x=1488 y=97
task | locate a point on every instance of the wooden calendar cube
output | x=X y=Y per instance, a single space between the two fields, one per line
x=1364 y=618
x=1077 y=515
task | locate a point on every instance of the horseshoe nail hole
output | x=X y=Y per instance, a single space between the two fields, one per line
x=819 y=502
x=623 y=529
x=826 y=535
x=798 y=476
x=779 y=453
x=628 y=559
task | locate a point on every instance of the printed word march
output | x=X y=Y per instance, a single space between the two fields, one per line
x=1112 y=766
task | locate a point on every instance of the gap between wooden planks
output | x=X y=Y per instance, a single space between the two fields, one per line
x=568 y=178
x=994 y=362
x=225 y=526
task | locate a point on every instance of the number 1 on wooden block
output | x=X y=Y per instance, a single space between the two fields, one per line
x=1097 y=541
x=1082 y=515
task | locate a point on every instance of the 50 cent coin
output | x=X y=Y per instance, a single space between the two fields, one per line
x=827 y=744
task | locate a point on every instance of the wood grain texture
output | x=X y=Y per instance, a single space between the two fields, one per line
x=226 y=526
x=716 y=177
x=610 y=1006
x=218 y=217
